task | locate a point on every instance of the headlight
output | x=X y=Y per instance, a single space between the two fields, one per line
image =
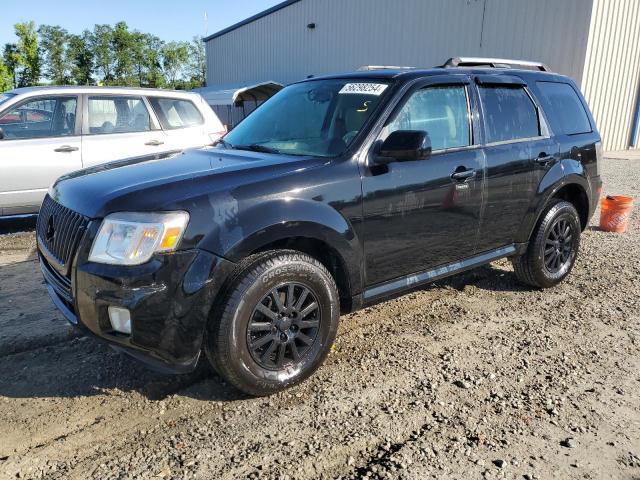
x=131 y=238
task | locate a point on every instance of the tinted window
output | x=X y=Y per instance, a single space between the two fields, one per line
x=319 y=117
x=562 y=105
x=40 y=117
x=440 y=111
x=174 y=113
x=509 y=113
x=118 y=115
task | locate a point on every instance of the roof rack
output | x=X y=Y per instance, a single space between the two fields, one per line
x=493 y=63
x=366 y=68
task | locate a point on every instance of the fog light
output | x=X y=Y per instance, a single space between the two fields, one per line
x=120 y=319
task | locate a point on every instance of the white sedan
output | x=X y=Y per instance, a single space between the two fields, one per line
x=46 y=132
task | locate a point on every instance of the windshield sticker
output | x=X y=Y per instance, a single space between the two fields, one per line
x=364 y=88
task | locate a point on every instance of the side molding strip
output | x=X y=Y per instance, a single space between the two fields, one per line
x=404 y=283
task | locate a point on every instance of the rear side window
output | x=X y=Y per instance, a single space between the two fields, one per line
x=509 y=113
x=176 y=113
x=117 y=115
x=561 y=103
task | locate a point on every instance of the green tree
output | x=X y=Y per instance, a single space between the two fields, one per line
x=11 y=61
x=174 y=60
x=54 y=43
x=102 y=52
x=122 y=47
x=146 y=59
x=80 y=58
x=28 y=54
x=6 y=80
x=197 y=68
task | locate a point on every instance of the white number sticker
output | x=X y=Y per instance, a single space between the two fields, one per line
x=364 y=88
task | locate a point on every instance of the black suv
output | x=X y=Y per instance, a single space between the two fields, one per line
x=337 y=193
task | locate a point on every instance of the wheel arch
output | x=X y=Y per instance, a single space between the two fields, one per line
x=308 y=226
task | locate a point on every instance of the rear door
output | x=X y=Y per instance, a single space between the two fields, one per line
x=41 y=142
x=117 y=127
x=516 y=144
x=569 y=122
x=183 y=123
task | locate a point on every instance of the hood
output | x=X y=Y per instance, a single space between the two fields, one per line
x=153 y=184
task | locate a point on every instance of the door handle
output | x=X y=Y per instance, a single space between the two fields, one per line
x=66 y=148
x=544 y=159
x=463 y=175
x=154 y=143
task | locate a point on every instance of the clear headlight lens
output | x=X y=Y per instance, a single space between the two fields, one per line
x=131 y=238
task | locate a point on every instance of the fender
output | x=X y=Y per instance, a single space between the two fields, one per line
x=565 y=172
x=236 y=233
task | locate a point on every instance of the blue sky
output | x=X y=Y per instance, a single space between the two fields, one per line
x=169 y=20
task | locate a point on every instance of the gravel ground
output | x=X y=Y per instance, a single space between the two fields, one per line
x=473 y=377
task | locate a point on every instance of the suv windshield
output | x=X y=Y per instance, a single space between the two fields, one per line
x=319 y=118
x=6 y=96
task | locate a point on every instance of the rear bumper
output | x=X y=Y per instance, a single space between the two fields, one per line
x=169 y=298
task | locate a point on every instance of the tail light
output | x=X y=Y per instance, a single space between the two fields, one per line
x=599 y=156
x=215 y=136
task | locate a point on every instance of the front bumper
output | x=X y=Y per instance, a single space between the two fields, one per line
x=169 y=297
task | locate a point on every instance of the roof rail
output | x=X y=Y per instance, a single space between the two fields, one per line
x=493 y=63
x=366 y=68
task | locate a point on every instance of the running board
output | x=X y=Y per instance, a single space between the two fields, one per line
x=398 y=285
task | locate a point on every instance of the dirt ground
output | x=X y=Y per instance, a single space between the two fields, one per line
x=473 y=377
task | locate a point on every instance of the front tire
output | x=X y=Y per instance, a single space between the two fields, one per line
x=277 y=323
x=553 y=247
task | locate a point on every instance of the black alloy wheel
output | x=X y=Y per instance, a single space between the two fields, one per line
x=553 y=247
x=558 y=245
x=275 y=323
x=284 y=326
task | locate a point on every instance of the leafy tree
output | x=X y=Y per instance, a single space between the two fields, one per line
x=102 y=51
x=6 y=80
x=28 y=54
x=11 y=61
x=80 y=58
x=197 y=68
x=54 y=42
x=174 y=57
x=122 y=47
x=146 y=59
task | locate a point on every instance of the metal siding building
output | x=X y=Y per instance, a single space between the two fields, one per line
x=596 y=42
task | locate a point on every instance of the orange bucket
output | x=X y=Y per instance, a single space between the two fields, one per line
x=615 y=211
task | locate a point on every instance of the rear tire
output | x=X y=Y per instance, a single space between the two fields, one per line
x=276 y=324
x=553 y=247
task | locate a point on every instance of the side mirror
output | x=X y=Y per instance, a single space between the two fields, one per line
x=1 y=134
x=404 y=145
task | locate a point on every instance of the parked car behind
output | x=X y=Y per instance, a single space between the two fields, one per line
x=46 y=132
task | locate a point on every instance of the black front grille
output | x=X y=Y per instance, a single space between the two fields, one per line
x=59 y=230
x=60 y=284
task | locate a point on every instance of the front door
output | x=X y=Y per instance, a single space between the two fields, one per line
x=41 y=143
x=425 y=213
x=119 y=127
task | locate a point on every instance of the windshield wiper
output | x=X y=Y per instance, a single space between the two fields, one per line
x=223 y=142
x=255 y=147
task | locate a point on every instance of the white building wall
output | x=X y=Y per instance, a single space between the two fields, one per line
x=352 y=33
x=612 y=69
x=596 y=42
